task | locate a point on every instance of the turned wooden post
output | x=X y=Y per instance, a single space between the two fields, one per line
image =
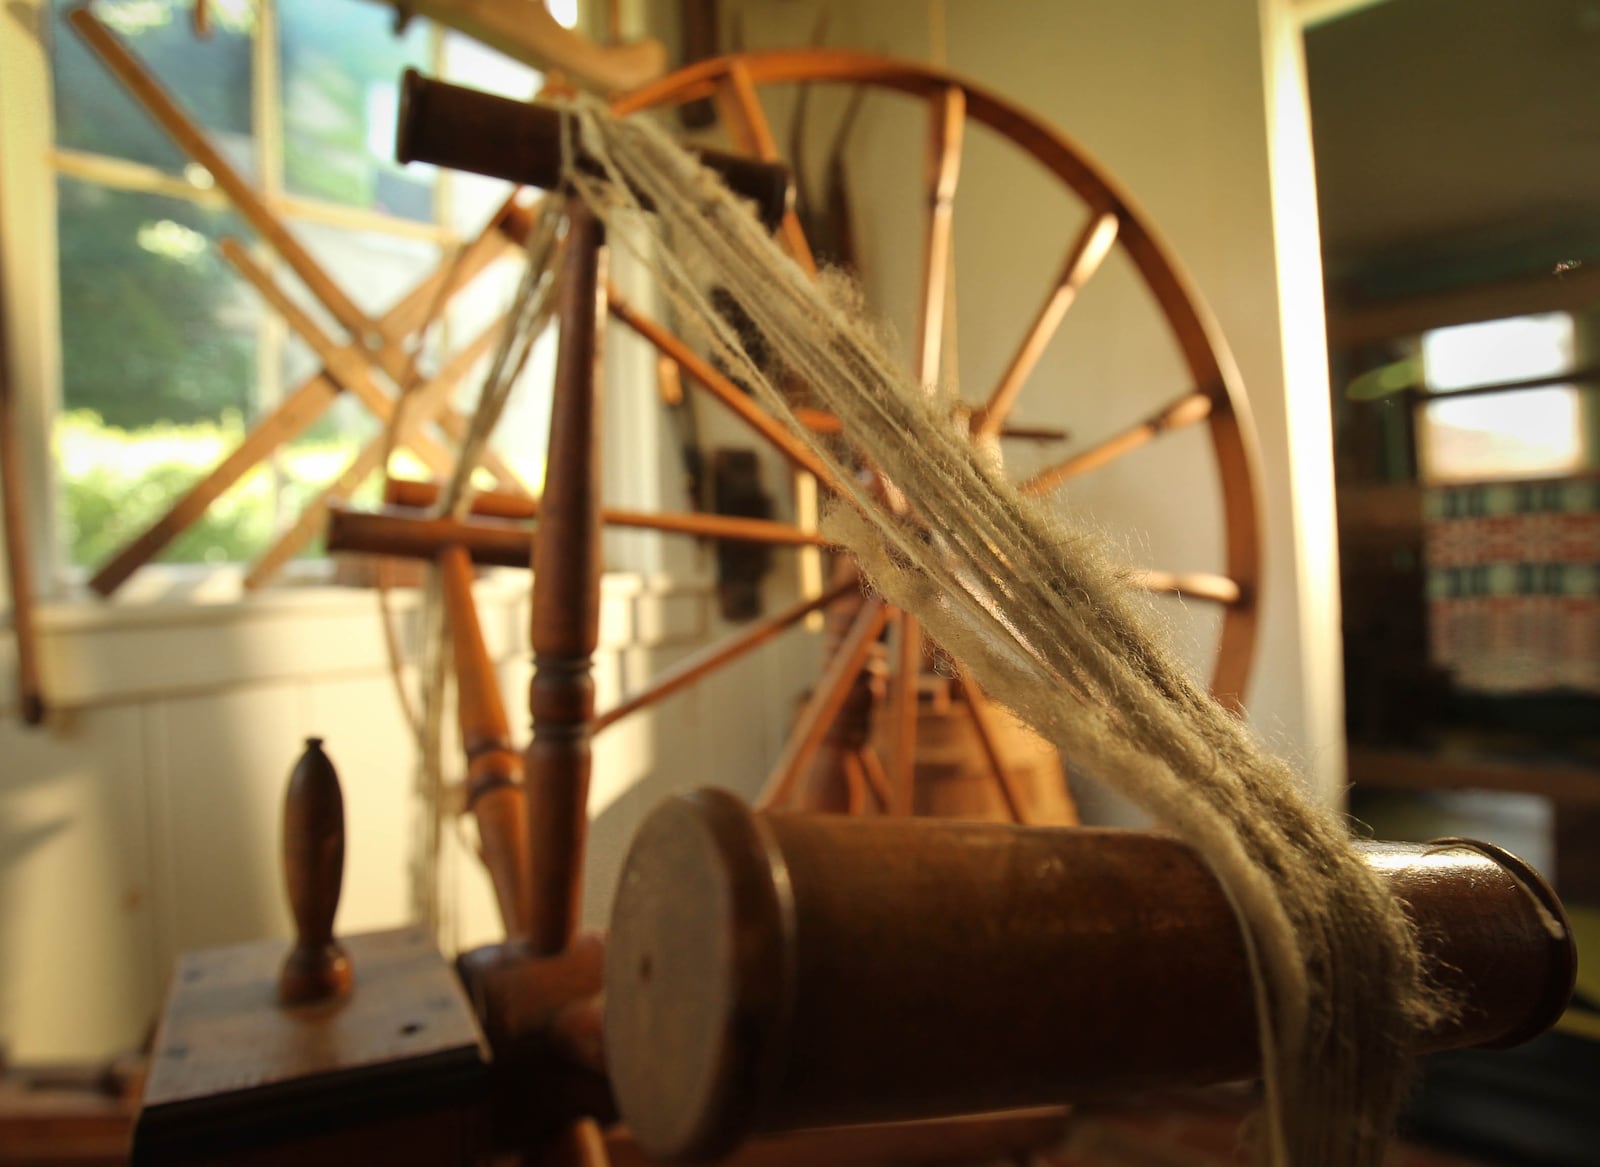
x=566 y=600
x=494 y=767
x=317 y=968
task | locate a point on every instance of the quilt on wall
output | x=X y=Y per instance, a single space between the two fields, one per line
x=1514 y=584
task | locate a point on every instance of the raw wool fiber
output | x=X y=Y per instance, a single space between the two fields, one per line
x=1050 y=628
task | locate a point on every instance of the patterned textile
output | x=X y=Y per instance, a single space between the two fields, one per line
x=1514 y=584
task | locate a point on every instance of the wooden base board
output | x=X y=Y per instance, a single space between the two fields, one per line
x=398 y=1063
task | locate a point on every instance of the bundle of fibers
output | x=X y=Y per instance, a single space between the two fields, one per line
x=1050 y=627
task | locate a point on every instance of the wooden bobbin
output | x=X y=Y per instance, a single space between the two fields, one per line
x=317 y=968
x=798 y=971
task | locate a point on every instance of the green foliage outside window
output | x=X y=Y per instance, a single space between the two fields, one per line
x=116 y=481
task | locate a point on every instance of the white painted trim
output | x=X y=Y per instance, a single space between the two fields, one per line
x=28 y=256
x=1297 y=249
x=99 y=654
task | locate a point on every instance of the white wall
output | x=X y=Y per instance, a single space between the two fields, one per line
x=1198 y=110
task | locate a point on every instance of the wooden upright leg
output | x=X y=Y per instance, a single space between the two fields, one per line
x=566 y=600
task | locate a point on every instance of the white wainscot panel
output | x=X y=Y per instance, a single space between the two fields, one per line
x=223 y=767
x=79 y=974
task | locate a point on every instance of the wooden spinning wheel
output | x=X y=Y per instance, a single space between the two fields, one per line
x=856 y=740
x=702 y=975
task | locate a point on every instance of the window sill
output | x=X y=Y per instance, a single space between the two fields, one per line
x=176 y=631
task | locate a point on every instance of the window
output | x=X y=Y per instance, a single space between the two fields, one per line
x=1497 y=406
x=167 y=355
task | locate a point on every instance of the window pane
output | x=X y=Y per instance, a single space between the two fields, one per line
x=1519 y=348
x=341 y=66
x=1522 y=433
x=210 y=80
x=158 y=371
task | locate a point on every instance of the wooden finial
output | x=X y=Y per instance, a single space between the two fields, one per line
x=317 y=968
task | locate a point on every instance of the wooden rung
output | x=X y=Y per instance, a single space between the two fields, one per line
x=827 y=698
x=731 y=528
x=984 y=724
x=946 y=122
x=711 y=659
x=1194 y=585
x=721 y=387
x=412 y=535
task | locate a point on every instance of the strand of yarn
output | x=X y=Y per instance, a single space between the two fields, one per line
x=1051 y=628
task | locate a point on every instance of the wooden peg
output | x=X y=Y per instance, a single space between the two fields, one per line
x=317 y=968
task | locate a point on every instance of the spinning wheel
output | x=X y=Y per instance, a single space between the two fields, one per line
x=706 y=966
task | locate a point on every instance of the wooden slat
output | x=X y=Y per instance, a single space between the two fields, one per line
x=1187 y=410
x=343 y=362
x=711 y=659
x=421 y=405
x=984 y=723
x=904 y=679
x=1083 y=261
x=826 y=699
x=724 y=390
x=729 y=528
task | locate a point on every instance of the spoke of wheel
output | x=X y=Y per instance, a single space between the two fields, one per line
x=1187 y=410
x=902 y=712
x=877 y=778
x=985 y=721
x=703 y=663
x=1085 y=258
x=947 y=116
x=747 y=125
x=1193 y=585
x=824 y=703
x=720 y=387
